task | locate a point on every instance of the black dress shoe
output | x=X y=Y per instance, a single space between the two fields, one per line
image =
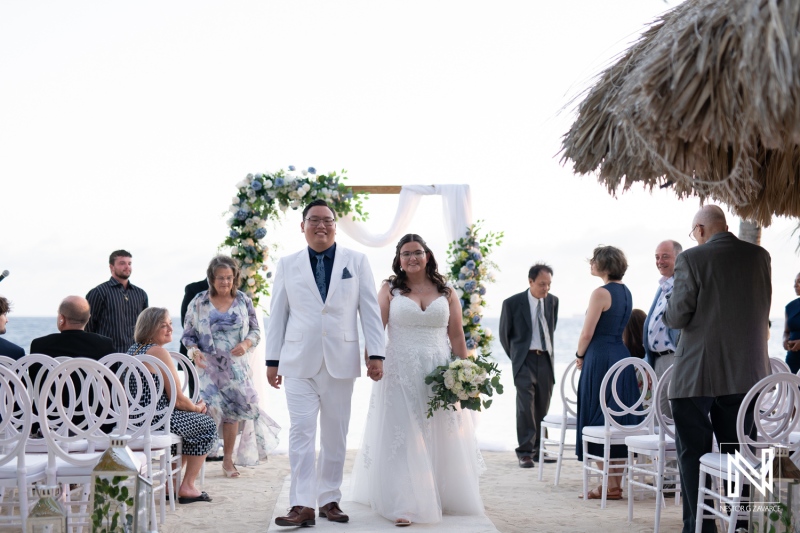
x=548 y=460
x=525 y=462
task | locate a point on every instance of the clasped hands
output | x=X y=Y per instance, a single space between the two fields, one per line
x=791 y=346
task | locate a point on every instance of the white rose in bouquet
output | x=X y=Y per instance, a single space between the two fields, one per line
x=457 y=387
x=475 y=298
x=462 y=395
x=449 y=380
x=267 y=184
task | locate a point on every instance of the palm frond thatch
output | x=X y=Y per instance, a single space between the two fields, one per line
x=707 y=99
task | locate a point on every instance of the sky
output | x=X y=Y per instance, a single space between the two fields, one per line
x=127 y=125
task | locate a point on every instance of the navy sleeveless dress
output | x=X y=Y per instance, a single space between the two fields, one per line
x=793 y=325
x=606 y=349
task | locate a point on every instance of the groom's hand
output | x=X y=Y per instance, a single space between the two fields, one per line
x=375 y=369
x=273 y=378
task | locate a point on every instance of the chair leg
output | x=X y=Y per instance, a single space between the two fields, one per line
x=698 y=522
x=560 y=453
x=585 y=471
x=659 y=489
x=606 y=460
x=542 y=455
x=630 y=484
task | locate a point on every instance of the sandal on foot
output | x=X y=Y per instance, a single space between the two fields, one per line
x=202 y=498
x=402 y=522
x=230 y=473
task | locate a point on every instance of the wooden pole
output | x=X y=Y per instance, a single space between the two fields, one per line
x=377 y=189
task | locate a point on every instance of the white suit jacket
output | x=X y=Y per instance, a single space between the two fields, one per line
x=303 y=330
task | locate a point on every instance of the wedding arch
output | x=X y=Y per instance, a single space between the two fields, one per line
x=264 y=197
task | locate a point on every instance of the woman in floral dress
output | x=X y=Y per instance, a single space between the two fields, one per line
x=221 y=328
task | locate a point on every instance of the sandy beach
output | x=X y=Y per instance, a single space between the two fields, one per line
x=515 y=501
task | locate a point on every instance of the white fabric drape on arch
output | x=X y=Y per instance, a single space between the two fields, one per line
x=456 y=207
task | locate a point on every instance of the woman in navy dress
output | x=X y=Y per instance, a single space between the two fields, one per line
x=600 y=346
x=791 y=330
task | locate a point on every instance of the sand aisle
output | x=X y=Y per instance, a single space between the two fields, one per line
x=515 y=501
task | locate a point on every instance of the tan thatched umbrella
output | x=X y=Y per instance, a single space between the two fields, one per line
x=707 y=99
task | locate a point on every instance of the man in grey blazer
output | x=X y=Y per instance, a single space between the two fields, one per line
x=527 y=323
x=660 y=341
x=720 y=302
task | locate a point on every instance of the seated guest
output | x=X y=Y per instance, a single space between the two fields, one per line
x=73 y=341
x=7 y=348
x=189 y=420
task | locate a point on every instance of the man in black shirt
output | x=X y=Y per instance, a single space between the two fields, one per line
x=8 y=349
x=73 y=341
x=116 y=304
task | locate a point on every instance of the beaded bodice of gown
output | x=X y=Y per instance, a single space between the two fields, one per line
x=417 y=339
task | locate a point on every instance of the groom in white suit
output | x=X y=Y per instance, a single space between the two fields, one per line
x=312 y=341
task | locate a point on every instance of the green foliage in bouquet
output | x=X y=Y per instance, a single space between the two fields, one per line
x=463 y=381
x=263 y=198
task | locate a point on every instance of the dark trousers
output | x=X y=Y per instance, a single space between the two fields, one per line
x=534 y=383
x=693 y=439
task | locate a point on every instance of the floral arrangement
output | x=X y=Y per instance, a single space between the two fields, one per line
x=262 y=198
x=470 y=271
x=463 y=381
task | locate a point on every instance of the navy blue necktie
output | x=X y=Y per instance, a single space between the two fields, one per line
x=319 y=276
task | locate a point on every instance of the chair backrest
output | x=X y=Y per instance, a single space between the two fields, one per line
x=774 y=420
x=641 y=407
x=569 y=396
x=666 y=425
x=16 y=415
x=136 y=380
x=6 y=361
x=32 y=370
x=162 y=416
x=778 y=365
x=187 y=368
x=102 y=401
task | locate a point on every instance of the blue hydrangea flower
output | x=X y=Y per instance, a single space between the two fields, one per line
x=348 y=196
x=461 y=275
x=269 y=275
x=477 y=256
x=241 y=214
x=291 y=168
x=470 y=344
x=261 y=233
x=476 y=319
x=234 y=234
x=258 y=176
x=257 y=185
x=312 y=170
x=463 y=304
x=482 y=291
x=280 y=181
x=469 y=286
x=470 y=264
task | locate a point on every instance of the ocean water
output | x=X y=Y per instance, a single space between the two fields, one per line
x=496 y=427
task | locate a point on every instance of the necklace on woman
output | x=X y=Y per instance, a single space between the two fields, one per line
x=421 y=290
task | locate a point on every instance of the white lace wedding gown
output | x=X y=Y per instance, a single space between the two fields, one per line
x=410 y=466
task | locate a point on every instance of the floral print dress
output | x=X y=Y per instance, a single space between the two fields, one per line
x=226 y=383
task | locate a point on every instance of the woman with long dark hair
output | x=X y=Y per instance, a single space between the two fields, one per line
x=412 y=468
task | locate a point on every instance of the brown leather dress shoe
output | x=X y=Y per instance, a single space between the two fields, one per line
x=298 y=516
x=333 y=512
x=525 y=462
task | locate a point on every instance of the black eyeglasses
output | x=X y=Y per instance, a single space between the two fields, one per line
x=316 y=221
x=691 y=233
x=418 y=254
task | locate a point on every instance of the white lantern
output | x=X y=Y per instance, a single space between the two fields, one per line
x=120 y=497
x=47 y=516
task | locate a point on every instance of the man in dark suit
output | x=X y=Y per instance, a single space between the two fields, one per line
x=720 y=301
x=527 y=323
x=192 y=290
x=8 y=349
x=73 y=341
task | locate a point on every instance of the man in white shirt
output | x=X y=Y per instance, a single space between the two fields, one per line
x=527 y=323
x=659 y=340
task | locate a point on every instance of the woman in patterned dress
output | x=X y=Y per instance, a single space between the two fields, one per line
x=221 y=328
x=189 y=420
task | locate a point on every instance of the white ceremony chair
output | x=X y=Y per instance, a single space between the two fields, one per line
x=102 y=402
x=560 y=423
x=17 y=471
x=612 y=432
x=6 y=361
x=776 y=411
x=657 y=449
x=778 y=365
x=170 y=467
x=134 y=376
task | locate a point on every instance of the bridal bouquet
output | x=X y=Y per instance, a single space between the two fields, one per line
x=463 y=381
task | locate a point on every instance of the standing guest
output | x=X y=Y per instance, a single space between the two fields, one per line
x=8 y=349
x=116 y=303
x=319 y=293
x=221 y=328
x=599 y=348
x=632 y=336
x=189 y=420
x=720 y=302
x=661 y=341
x=73 y=341
x=191 y=290
x=527 y=323
x=791 y=330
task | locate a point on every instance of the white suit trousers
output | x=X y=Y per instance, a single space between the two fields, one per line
x=328 y=399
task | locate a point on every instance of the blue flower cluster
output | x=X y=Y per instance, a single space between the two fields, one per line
x=260 y=233
x=257 y=185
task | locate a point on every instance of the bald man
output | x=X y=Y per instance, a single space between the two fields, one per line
x=73 y=341
x=720 y=301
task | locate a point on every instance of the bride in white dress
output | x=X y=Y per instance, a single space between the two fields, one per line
x=411 y=468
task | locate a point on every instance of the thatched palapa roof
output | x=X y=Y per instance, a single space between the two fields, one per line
x=707 y=99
